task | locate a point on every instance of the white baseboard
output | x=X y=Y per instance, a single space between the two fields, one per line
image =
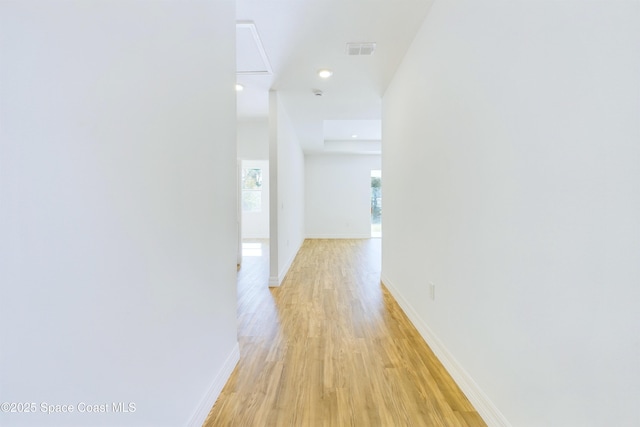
x=480 y=401
x=277 y=281
x=287 y=266
x=214 y=390
x=255 y=236
x=273 y=281
x=339 y=236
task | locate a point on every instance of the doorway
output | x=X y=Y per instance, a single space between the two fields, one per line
x=254 y=211
x=376 y=203
x=254 y=197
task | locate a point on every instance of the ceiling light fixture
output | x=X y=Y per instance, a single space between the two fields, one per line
x=325 y=73
x=239 y=87
x=354 y=136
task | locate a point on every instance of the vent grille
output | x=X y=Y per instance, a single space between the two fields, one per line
x=360 y=49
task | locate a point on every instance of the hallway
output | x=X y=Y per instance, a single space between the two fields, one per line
x=331 y=347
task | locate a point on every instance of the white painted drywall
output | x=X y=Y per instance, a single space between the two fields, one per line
x=286 y=164
x=338 y=195
x=255 y=225
x=253 y=139
x=511 y=152
x=117 y=208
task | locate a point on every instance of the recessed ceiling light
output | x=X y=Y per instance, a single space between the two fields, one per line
x=354 y=136
x=239 y=87
x=325 y=73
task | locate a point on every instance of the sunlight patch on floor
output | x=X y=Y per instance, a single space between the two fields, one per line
x=251 y=249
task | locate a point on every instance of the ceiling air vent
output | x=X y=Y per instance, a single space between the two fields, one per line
x=360 y=49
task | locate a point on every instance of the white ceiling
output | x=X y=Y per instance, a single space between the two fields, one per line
x=347 y=130
x=302 y=36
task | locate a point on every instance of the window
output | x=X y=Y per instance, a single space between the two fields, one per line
x=251 y=190
x=376 y=203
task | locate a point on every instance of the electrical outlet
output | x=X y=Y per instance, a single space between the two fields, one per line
x=432 y=291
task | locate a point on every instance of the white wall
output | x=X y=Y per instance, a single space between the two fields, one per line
x=117 y=243
x=338 y=195
x=253 y=139
x=511 y=152
x=255 y=225
x=286 y=163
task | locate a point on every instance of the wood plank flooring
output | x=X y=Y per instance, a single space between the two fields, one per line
x=331 y=347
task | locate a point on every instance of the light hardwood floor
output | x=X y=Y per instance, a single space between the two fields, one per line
x=331 y=347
